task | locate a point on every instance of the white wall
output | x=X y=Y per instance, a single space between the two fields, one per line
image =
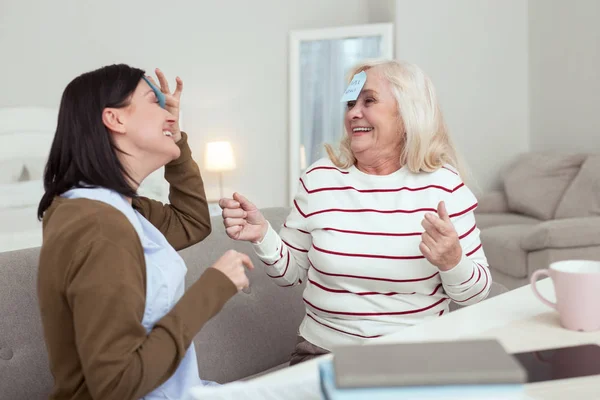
x=475 y=51
x=232 y=56
x=381 y=11
x=564 y=74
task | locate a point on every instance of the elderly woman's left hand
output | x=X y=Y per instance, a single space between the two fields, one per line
x=440 y=243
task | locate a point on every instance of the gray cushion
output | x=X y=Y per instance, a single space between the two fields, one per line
x=563 y=233
x=492 y=202
x=502 y=247
x=536 y=182
x=489 y=220
x=24 y=369
x=582 y=198
x=254 y=332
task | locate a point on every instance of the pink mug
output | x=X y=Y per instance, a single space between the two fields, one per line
x=577 y=287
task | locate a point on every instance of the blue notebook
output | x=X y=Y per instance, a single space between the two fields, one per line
x=446 y=392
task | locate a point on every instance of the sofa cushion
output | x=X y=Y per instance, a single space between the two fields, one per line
x=253 y=332
x=536 y=182
x=582 y=198
x=24 y=369
x=502 y=247
x=563 y=233
x=492 y=202
x=488 y=220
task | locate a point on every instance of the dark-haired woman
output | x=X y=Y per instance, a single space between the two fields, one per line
x=116 y=320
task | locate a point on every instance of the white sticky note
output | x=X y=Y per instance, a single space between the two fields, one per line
x=355 y=86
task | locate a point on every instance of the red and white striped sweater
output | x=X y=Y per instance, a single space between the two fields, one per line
x=354 y=239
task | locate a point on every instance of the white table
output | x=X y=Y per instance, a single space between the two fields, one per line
x=517 y=319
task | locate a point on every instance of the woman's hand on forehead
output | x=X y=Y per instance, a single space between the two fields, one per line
x=172 y=99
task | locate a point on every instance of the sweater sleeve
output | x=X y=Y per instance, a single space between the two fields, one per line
x=105 y=289
x=286 y=255
x=186 y=220
x=468 y=282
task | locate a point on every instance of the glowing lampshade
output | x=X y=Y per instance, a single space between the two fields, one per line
x=218 y=157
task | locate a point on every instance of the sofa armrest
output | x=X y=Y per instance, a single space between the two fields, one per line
x=563 y=233
x=493 y=202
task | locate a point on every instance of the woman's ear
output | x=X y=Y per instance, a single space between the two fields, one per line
x=113 y=120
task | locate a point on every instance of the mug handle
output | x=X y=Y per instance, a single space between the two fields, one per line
x=536 y=274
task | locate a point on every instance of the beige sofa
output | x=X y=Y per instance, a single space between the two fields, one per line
x=254 y=333
x=547 y=210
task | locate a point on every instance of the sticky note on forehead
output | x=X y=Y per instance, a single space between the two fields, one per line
x=160 y=96
x=355 y=86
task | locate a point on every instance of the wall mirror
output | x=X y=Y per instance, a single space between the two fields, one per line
x=320 y=61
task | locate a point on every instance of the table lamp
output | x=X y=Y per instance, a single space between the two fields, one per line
x=218 y=157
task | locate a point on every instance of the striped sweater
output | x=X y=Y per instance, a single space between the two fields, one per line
x=353 y=238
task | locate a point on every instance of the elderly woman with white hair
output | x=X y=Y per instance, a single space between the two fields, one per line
x=382 y=231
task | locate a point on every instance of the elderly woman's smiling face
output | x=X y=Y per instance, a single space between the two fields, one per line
x=373 y=122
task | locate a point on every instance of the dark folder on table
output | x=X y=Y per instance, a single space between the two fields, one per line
x=465 y=362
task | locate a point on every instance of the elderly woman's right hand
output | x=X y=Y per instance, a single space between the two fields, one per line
x=242 y=219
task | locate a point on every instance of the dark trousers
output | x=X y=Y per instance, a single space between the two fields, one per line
x=305 y=351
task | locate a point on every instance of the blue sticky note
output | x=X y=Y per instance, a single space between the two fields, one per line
x=160 y=96
x=355 y=86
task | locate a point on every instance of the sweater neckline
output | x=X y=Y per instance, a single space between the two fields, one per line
x=363 y=175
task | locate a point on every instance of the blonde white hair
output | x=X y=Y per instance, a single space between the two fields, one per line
x=426 y=142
